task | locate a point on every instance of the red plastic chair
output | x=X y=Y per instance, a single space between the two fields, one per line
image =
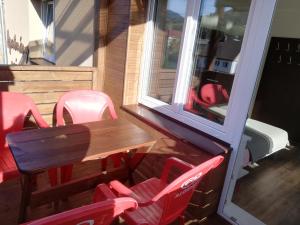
x=83 y=106
x=160 y=202
x=209 y=95
x=14 y=109
x=99 y=213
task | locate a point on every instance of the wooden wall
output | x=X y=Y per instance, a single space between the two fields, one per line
x=101 y=18
x=116 y=46
x=138 y=14
x=119 y=46
x=46 y=84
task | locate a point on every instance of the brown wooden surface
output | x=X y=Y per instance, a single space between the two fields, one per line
x=270 y=191
x=9 y=205
x=177 y=129
x=101 y=20
x=41 y=149
x=116 y=47
x=135 y=45
x=76 y=186
x=46 y=84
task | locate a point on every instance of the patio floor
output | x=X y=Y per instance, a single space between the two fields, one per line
x=10 y=198
x=151 y=166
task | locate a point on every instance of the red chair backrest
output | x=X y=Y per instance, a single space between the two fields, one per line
x=178 y=193
x=14 y=107
x=84 y=106
x=100 y=213
x=213 y=94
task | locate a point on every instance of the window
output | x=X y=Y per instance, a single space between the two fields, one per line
x=48 y=21
x=191 y=58
x=169 y=25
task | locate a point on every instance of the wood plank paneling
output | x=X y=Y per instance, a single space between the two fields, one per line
x=46 y=108
x=138 y=11
x=116 y=46
x=101 y=20
x=43 y=98
x=45 y=76
x=46 y=84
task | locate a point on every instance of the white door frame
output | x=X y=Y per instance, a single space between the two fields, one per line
x=256 y=38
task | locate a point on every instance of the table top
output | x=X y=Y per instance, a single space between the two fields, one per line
x=40 y=149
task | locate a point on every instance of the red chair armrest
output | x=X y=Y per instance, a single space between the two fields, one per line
x=171 y=163
x=119 y=188
x=122 y=191
x=103 y=193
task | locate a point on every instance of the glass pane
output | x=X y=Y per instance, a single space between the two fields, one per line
x=169 y=23
x=218 y=43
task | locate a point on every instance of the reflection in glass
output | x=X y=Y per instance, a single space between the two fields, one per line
x=169 y=22
x=219 y=38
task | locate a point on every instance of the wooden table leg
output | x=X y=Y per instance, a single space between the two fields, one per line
x=134 y=160
x=25 y=197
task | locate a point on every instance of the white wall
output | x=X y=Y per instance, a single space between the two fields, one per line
x=16 y=22
x=286 y=18
x=74 y=32
x=36 y=26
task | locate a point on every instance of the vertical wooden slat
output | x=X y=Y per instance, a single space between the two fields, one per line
x=95 y=83
x=116 y=46
x=101 y=20
x=135 y=44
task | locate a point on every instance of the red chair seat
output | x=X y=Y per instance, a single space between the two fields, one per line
x=8 y=167
x=152 y=213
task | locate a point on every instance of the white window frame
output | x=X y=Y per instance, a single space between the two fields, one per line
x=223 y=132
x=187 y=44
x=247 y=73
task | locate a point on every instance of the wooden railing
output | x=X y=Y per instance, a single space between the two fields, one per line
x=46 y=84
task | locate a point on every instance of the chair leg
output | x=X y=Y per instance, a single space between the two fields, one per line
x=117 y=159
x=103 y=164
x=181 y=220
x=130 y=177
x=52 y=173
x=66 y=173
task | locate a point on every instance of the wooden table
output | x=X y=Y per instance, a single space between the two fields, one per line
x=37 y=150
